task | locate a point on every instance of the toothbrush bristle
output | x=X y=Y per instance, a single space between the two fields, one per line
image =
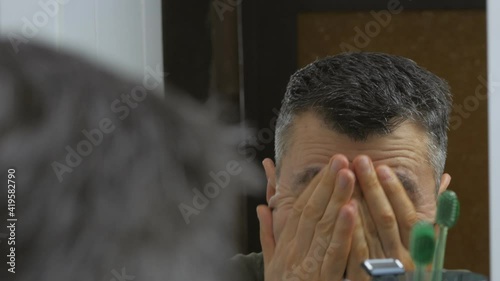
x=422 y=243
x=448 y=209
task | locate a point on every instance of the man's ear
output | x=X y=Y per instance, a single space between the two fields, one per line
x=270 y=169
x=445 y=182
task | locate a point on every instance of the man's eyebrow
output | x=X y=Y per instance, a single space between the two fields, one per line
x=409 y=185
x=305 y=176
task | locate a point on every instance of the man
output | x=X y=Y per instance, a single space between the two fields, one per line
x=360 y=153
x=111 y=181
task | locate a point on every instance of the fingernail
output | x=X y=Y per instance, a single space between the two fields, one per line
x=336 y=164
x=257 y=210
x=384 y=173
x=342 y=180
x=365 y=165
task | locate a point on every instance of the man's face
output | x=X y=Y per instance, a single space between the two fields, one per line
x=312 y=144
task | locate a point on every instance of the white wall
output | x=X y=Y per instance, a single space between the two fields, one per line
x=494 y=133
x=125 y=35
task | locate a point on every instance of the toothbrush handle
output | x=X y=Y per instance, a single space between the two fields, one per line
x=419 y=273
x=437 y=267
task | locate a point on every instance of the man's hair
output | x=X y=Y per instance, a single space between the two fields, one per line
x=115 y=214
x=365 y=94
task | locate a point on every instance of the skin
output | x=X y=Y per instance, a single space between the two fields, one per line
x=337 y=202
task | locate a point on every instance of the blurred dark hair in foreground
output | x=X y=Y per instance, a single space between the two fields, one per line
x=104 y=185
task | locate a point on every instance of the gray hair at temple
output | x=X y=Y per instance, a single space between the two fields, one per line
x=364 y=94
x=116 y=214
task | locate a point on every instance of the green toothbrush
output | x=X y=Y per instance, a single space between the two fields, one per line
x=448 y=210
x=422 y=242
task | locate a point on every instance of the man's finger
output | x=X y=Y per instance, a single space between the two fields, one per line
x=337 y=251
x=359 y=252
x=341 y=195
x=292 y=221
x=344 y=188
x=403 y=207
x=266 y=232
x=315 y=208
x=371 y=233
x=379 y=206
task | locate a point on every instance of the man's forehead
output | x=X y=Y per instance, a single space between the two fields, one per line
x=312 y=144
x=310 y=128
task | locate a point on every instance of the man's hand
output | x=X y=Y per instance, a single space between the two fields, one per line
x=316 y=240
x=386 y=217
